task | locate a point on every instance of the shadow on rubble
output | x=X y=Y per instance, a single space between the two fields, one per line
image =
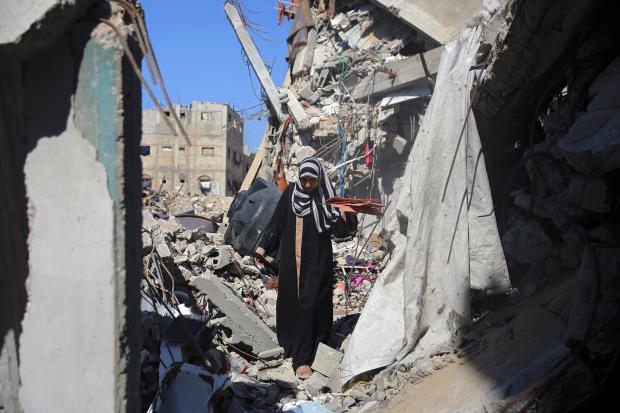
x=553 y=343
x=341 y=329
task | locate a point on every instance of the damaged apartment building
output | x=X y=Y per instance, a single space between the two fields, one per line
x=216 y=161
x=488 y=131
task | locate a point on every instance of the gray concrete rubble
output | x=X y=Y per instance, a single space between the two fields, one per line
x=352 y=61
x=229 y=306
x=551 y=164
x=246 y=328
x=326 y=360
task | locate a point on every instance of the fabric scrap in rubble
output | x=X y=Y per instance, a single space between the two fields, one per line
x=451 y=243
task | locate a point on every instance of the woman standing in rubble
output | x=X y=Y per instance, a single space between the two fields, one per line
x=301 y=229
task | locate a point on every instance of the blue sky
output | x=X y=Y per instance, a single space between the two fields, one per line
x=200 y=57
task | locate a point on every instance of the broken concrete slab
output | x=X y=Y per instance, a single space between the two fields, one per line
x=306 y=92
x=275 y=352
x=397 y=75
x=296 y=111
x=169 y=227
x=187 y=274
x=326 y=360
x=432 y=17
x=302 y=152
x=147 y=243
x=223 y=258
x=309 y=53
x=316 y=384
x=283 y=375
x=148 y=221
x=163 y=250
x=246 y=327
x=399 y=143
x=340 y=22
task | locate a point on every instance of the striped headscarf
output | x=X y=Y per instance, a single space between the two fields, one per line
x=316 y=202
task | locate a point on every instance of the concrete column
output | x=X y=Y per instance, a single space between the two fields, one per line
x=70 y=121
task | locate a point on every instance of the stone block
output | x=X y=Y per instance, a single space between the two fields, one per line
x=147 y=243
x=306 y=92
x=399 y=144
x=275 y=352
x=170 y=227
x=163 y=249
x=302 y=152
x=326 y=360
x=283 y=375
x=148 y=221
x=316 y=384
x=223 y=259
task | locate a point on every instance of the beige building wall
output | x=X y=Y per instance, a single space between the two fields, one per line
x=215 y=162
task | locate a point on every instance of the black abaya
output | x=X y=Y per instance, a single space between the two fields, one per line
x=305 y=321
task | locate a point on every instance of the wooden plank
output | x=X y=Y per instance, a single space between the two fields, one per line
x=256 y=163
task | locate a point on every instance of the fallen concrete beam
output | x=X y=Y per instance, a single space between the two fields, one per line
x=255 y=59
x=399 y=75
x=439 y=20
x=309 y=55
x=297 y=111
x=245 y=326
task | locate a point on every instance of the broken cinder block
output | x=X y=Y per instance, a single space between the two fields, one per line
x=316 y=384
x=326 y=360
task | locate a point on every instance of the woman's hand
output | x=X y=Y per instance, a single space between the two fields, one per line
x=261 y=251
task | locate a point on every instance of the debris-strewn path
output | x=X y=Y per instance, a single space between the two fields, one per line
x=505 y=360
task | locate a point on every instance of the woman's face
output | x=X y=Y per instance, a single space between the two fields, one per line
x=309 y=183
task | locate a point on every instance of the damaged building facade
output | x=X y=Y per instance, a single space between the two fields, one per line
x=215 y=163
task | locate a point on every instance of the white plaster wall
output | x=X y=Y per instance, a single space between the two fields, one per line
x=67 y=348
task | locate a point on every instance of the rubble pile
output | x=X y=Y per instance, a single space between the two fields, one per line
x=563 y=219
x=211 y=206
x=359 y=81
x=208 y=311
x=358 y=85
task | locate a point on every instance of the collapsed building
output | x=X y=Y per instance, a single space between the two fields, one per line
x=367 y=91
x=490 y=135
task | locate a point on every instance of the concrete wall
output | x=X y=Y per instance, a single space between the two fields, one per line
x=216 y=132
x=439 y=20
x=69 y=133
